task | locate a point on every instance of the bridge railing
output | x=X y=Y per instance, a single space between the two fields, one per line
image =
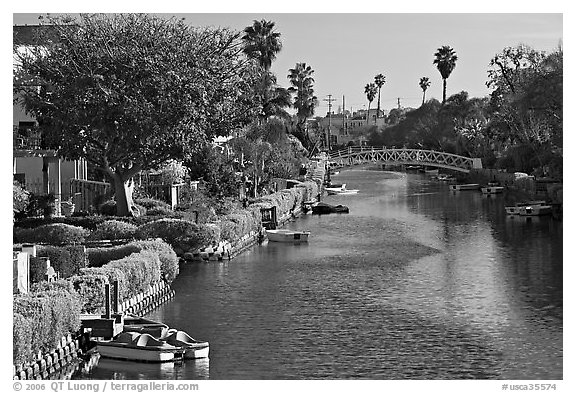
x=359 y=154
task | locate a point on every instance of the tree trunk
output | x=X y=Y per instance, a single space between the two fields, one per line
x=378 y=111
x=423 y=96
x=123 y=191
x=443 y=91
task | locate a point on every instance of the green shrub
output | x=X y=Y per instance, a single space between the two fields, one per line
x=90 y=288
x=49 y=315
x=150 y=203
x=112 y=274
x=55 y=234
x=234 y=226
x=113 y=230
x=160 y=211
x=20 y=197
x=168 y=259
x=108 y=208
x=38 y=269
x=141 y=270
x=67 y=260
x=87 y=222
x=182 y=235
x=21 y=339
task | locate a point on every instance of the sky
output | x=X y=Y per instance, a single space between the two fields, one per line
x=346 y=50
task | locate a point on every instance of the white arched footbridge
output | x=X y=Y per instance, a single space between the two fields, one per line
x=360 y=155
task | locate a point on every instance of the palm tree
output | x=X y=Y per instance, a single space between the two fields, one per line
x=445 y=62
x=424 y=84
x=370 y=91
x=262 y=43
x=305 y=101
x=379 y=80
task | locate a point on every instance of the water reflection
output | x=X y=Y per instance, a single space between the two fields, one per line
x=415 y=283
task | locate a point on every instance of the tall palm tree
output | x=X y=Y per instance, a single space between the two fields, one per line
x=445 y=62
x=424 y=84
x=379 y=80
x=262 y=43
x=370 y=90
x=305 y=101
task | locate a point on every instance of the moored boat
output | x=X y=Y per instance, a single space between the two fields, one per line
x=139 y=347
x=464 y=187
x=492 y=190
x=193 y=349
x=340 y=190
x=287 y=236
x=445 y=177
x=141 y=325
x=518 y=207
x=325 y=208
x=535 y=210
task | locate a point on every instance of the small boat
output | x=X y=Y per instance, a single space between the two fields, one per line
x=445 y=177
x=287 y=236
x=141 y=325
x=325 y=208
x=193 y=349
x=413 y=167
x=464 y=187
x=432 y=172
x=334 y=187
x=518 y=207
x=139 y=347
x=340 y=191
x=535 y=210
x=492 y=190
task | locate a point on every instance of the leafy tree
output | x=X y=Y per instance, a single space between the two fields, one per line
x=130 y=91
x=424 y=85
x=445 y=60
x=379 y=81
x=370 y=91
x=305 y=101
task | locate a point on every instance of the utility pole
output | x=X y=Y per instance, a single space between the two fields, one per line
x=398 y=102
x=344 y=125
x=329 y=99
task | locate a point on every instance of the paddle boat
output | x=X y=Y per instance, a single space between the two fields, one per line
x=464 y=187
x=193 y=349
x=139 y=347
x=521 y=206
x=325 y=208
x=287 y=236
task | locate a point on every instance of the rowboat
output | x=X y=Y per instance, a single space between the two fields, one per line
x=521 y=207
x=193 y=349
x=492 y=190
x=340 y=190
x=287 y=236
x=139 y=347
x=325 y=208
x=464 y=187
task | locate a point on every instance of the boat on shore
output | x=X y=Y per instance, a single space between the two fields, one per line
x=464 y=187
x=287 y=236
x=325 y=208
x=139 y=347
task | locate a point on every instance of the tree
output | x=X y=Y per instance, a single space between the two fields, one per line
x=445 y=62
x=379 y=81
x=262 y=42
x=424 y=85
x=305 y=101
x=370 y=91
x=129 y=91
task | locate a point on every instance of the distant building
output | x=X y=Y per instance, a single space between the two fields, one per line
x=346 y=129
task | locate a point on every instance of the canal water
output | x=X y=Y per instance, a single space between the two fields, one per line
x=416 y=282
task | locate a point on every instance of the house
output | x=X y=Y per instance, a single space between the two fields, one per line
x=38 y=169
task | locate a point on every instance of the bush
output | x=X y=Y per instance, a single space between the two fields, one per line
x=42 y=319
x=86 y=222
x=168 y=260
x=55 y=234
x=114 y=230
x=142 y=270
x=150 y=203
x=160 y=211
x=90 y=288
x=67 y=260
x=20 y=197
x=38 y=269
x=112 y=275
x=21 y=339
x=234 y=226
x=108 y=208
x=182 y=235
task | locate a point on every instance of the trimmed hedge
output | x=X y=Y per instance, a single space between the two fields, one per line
x=41 y=319
x=113 y=230
x=151 y=203
x=87 y=222
x=67 y=260
x=90 y=288
x=56 y=234
x=234 y=226
x=182 y=235
x=168 y=259
x=38 y=270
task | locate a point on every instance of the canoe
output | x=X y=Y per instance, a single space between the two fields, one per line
x=287 y=236
x=194 y=349
x=464 y=187
x=139 y=347
x=492 y=190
